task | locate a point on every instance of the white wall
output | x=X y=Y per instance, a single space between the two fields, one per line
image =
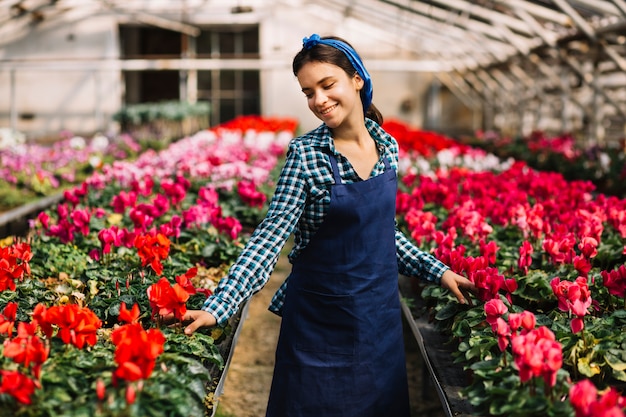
x=57 y=96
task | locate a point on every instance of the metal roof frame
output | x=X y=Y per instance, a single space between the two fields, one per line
x=488 y=52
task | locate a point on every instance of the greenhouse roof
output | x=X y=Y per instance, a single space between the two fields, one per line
x=459 y=33
x=489 y=53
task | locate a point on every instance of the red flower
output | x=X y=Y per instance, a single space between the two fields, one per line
x=14 y=264
x=129 y=316
x=588 y=247
x=537 y=354
x=27 y=348
x=588 y=402
x=17 y=385
x=76 y=325
x=7 y=319
x=152 y=250
x=615 y=281
x=136 y=351
x=574 y=297
x=185 y=280
x=167 y=299
x=525 y=257
x=494 y=309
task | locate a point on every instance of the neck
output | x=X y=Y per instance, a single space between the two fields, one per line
x=351 y=133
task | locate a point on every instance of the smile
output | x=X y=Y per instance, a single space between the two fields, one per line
x=328 y=110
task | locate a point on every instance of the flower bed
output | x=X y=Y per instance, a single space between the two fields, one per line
x=29 y=171
x=604 y=165
x=82 y=299
x=545 y=334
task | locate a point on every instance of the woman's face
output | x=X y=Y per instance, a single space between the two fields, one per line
x=332 y=95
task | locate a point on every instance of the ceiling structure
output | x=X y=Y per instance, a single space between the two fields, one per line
x=549 y=55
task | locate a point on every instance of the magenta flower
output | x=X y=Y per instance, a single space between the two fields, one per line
x=615 y=281
x=525 y=257
x=574 y=297
x=494 y=309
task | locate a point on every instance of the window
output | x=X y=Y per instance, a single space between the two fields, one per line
x=230 y=92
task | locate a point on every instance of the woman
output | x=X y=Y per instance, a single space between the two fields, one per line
x=340 y=350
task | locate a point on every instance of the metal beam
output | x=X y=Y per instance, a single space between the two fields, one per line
x=580 y=22
x=545 y=13
x=621 y=5
x=484 y=13
x=548 y=37
x=158 y=21
x=597 y=90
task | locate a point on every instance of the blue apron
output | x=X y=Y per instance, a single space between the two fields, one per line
x=341 y=349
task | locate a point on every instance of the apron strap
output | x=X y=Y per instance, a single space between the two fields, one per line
x=333 y=162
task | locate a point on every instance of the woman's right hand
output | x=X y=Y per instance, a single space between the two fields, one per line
x=198 y=319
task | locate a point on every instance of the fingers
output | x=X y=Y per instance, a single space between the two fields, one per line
x=199 y=319
x=460 y=286
x=189 y=330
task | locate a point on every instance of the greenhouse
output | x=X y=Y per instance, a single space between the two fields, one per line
x=288 y=208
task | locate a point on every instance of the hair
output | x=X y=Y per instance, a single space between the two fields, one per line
x=331 y=55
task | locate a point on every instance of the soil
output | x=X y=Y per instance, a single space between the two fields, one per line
x=249 y=376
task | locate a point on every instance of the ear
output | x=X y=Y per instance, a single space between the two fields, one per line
x=358 y=81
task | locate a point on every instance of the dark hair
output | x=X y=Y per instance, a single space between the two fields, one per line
x=332 y=55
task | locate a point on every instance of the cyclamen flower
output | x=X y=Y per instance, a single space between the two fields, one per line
x=249 y=194
x=14 y=264
x=17 y=385
x=136 y=351
x=176 y=191
x=537 y=354
x=524 y=320
x=588 y=402
x=109 y=237
x=489 y=250
x=615 y=281
x=525 y=256
x=494 y=309
x=588 y=247
x=152 y=249
x=582 y=265
x=7 y=318
x=574 y=297
x=26 y=348
x=123 y=200
x=167 y=299
x=77 y=325
x=422 y=224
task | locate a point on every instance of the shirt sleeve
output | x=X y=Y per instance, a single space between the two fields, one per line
x=414 y=262
x=253 y=267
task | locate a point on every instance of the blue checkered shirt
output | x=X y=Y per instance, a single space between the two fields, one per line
x=299 y=204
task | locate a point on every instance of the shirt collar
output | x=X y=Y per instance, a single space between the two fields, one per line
x=322 y=137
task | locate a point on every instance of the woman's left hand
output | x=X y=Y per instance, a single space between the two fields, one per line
x=460 y=286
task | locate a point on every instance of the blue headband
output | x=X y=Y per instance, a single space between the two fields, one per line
x=354 y=59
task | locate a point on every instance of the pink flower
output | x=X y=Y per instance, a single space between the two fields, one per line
x=574 y=297
x=537 y=354
x=525 y=256
x=494 y=309
x=588 y=402
x=589 y=247
x=615 y=281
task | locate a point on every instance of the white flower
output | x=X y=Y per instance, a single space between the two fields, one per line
x=99 y=143
x=10 y=138
x=78 y=142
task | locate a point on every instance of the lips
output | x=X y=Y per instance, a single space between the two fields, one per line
x=327 y=110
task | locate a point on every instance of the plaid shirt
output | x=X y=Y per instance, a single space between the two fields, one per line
x=299 y=204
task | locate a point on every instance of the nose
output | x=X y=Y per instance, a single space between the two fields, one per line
x=319 y=98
